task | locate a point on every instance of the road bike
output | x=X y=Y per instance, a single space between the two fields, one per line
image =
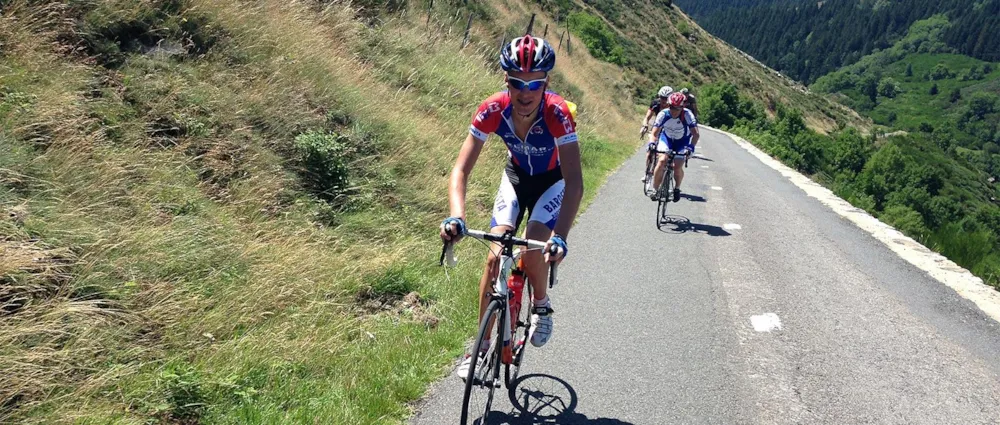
x=665 y=191
x=505 y=323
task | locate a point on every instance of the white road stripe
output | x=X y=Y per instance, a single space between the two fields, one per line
x=966 y=284
x=732 y=226
x=716 y=188
x=766 y=322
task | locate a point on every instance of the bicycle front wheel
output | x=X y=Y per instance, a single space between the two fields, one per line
x=665 y=193
x=484 y=375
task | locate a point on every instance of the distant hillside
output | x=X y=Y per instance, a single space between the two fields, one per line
x=699 y=8
x=809 y=39
x=660 y=45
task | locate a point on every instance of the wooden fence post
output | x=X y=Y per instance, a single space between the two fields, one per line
x=569 y=41
x=468 y=27
x=545 y=32
x=561 y=39
x=429 y=10
x=531 y=23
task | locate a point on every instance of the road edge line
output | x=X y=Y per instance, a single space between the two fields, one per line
x=939 y=267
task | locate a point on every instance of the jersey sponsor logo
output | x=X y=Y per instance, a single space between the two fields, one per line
x=554 y=204
x=530 y=150
x=537 y=130
x=494 y=107
x=482 y=116
x=501 y=203
x=567 y=125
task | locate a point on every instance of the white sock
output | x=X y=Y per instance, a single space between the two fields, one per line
x=542 y=302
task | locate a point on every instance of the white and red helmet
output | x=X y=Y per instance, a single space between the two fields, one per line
x=528 y=54
x=677 y=99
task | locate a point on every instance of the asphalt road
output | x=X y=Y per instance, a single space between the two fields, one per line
x=655 y=327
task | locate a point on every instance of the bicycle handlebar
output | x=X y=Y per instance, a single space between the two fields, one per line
x=506 y=239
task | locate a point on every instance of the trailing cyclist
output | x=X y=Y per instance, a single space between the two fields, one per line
x=675 y=129
x=691 y=103
x=659 y=102
x=542 y=179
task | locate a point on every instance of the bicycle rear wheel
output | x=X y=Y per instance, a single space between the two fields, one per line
x=647 y=187
x=483 y=379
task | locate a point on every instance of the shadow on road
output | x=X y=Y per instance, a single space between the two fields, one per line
x=693 y=198
x=683 y=224
x=703 y=158
x=545 y=399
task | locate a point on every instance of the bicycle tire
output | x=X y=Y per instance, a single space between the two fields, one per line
x=520 y=336
x=647 y=187
x=492 y=364
x=665 y=186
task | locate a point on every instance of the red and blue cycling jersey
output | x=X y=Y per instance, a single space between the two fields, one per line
x=539 y=152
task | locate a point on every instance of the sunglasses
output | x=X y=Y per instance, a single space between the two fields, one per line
x=519 y=84
x=676 y=108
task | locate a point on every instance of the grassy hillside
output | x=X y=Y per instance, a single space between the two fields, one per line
x=225 y=212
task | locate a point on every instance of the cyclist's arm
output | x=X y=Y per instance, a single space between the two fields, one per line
x=571 y=166
x=695 y=136
x=460 y=174
x=649 y=114
x=655 y=135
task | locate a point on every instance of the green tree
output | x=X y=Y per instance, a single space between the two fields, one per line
x=719 y=104
x=850 y=151
x=906 y=220
x=934 y=90
x=941 y=72
x=909 y=69
x=982 y=104
x=955 y=96
x=868 y=86
x=888 y=88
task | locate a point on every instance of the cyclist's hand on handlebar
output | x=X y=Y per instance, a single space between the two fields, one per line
x=643 y=129
x=555 y=249
x=452 y=229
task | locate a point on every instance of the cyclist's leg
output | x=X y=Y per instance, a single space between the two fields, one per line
x=660 y=165
x=678 y=146
x=541 y=222
x=506 y=215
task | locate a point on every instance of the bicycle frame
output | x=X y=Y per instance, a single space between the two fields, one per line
x=501 y=291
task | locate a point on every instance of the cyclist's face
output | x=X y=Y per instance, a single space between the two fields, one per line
x=676 y=112
x=526 y=101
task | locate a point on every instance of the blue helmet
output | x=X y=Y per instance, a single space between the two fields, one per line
x=528 y=54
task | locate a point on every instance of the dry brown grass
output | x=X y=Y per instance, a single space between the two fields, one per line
x=164 y=244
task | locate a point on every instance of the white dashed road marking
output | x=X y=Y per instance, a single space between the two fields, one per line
x=704 y=166
x=766 y=322
x=936 y=265
x=716 y=188
x=732 y=226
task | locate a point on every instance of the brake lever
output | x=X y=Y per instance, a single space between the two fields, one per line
x=448 y=255
x=553 y=267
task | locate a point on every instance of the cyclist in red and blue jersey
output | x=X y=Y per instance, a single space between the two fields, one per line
x=674 y=129
x=542 y=179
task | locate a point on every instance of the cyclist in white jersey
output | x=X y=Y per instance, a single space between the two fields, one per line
x=675 y=129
